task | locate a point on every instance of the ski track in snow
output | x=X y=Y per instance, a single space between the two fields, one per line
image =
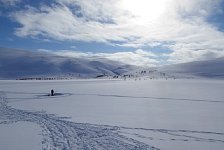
x=175 y=135
x=59 y=134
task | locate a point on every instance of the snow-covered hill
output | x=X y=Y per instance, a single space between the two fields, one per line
x=16 y=64
x=21 y=64
x=198 y=69
x=208 y=68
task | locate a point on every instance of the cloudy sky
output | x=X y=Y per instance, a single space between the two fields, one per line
x=140 y=32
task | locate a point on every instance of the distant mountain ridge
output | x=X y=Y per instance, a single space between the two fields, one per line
x=208 y=68
x=198 y=69
x=16 y=63
x=19 y=64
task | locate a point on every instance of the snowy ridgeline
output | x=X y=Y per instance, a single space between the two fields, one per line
x=29 y=65
x=20 y=64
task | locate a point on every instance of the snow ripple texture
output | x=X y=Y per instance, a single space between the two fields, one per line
x=59 y=134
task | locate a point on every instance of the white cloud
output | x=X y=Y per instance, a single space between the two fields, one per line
x=139 y=57
x=182 y=23
x=189 y=55
x=73 y=47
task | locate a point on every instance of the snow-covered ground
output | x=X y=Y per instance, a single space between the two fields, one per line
x=113 y=114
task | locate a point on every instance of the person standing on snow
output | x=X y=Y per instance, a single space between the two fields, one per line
x=52 y=92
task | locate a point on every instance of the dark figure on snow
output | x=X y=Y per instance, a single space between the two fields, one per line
x=52 y=92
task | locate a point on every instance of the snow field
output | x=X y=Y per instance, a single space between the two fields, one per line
x=104 y=114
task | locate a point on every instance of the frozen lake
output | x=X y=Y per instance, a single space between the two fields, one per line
x=143 y=114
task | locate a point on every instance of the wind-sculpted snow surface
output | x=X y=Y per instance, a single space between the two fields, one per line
x=65 y=135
